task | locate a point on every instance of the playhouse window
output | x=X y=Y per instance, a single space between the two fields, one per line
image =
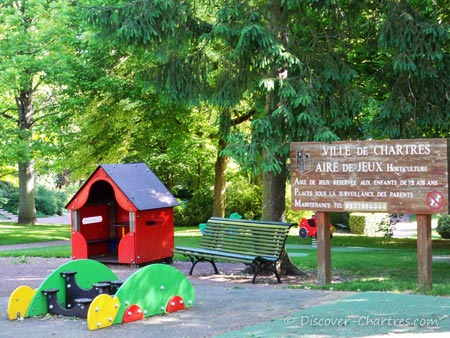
x=92 y=220
x=153 y=222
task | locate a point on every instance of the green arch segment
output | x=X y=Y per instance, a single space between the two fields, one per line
x=151 y=288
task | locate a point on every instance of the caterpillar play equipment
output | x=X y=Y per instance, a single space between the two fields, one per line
x=88 y=289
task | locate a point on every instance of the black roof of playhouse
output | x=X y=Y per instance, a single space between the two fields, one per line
x=140 y=185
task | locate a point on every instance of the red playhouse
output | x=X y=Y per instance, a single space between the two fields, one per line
x=123 y=214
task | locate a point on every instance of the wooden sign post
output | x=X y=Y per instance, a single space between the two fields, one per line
x=394 y=176
x=323 y=248
x=424 y=253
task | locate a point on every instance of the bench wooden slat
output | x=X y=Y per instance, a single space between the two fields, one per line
x=256 y=243
x=239 y=239
x=256 y=247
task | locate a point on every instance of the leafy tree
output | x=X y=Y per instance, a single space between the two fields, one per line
x=415 y=41
x=293 y=54
x=336 y=70
x=35 y=43
x=251 y=41
x=301 y=70
x=175 y=140
x=157 y=70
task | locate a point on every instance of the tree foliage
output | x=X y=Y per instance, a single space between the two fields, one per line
x=34 y=49
x=175 y=82
x=416 y=40
x=173 y=138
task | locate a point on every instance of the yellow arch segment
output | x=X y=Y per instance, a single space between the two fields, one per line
x=19 y=301
x=102 y=312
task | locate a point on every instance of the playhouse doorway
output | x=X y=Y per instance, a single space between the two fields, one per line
x=103 y=223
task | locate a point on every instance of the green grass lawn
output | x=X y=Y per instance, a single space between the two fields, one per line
x=13 y=233
x=374 y=264
x=55 y=251
x=358 y=262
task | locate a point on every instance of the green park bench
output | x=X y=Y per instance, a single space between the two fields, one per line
x=258 y=244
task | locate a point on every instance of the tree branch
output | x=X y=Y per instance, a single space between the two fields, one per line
x=6 y=116
x=245 y=117
x=9 y=173
x=44 y=117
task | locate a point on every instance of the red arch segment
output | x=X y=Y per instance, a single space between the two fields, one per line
x=176 y=303
x=133 y=313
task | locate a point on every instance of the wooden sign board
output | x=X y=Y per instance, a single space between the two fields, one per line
x=395 y=176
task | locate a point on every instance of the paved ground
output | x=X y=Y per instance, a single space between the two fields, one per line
x=228 y=305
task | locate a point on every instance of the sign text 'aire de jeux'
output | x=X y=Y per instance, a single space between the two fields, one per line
x=395 y=176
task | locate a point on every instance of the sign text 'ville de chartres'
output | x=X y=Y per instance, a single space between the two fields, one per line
x=403 y=176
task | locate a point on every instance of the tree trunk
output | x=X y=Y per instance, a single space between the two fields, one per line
x=273 y=196
x=274 y=184
x=27 y=208
x=273 y=200
x=25 y=109
x=220 y=167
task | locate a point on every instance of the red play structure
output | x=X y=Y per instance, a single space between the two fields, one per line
x=122 y=214
x=308 y=228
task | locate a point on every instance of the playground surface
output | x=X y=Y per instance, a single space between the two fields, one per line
x=228 y=305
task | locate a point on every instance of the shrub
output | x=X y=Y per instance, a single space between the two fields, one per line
x=373 y=223
x=242 y=197
x=385 y=227
x=9 y=197
x=443 y=227
x=197 y=210
x=48 y=202
x=179 y=214
x=370 y=224
x=245 y=199
x=3 y=193
x=357 y=224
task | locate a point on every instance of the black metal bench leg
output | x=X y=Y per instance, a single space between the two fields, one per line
x=214 y=266
x=194 y=263
x=277 y=275
x=273 y=267
x=192 y=266
x=260 y=266
x=255 y=269
x=254 y=277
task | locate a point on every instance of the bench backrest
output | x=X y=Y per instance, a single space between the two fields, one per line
x=258 y=238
